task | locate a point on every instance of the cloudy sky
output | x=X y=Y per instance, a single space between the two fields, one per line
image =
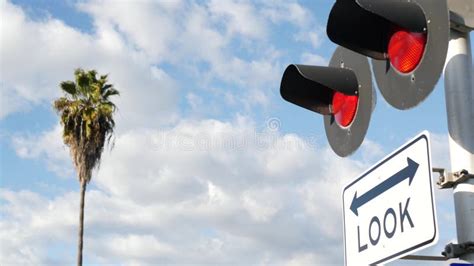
x=210 y=165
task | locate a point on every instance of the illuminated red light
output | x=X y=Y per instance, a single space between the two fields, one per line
x=405 y=50
x=344 y=108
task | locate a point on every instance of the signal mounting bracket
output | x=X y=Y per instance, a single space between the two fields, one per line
x=449 y=180
x=452 y=251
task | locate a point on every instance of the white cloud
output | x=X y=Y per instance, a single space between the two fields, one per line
x=371 y=151
x=129 y=18
x=307 y=29
x=306 y=259
x=311 y=36
x=203 y=39
x=49 y=147
x=31 y=226
x=201 y=192
x=131 y=42
x=239 y=17
x=210 y=192
x=11 y=101
x=28 y=76
x=440 y=150
x=313 y=59
x=290 y=11
x=20 y=61
x=262 y=204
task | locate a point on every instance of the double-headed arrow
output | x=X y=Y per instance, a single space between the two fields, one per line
x=407 y=172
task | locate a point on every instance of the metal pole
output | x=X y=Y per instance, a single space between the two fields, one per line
x=460 y=110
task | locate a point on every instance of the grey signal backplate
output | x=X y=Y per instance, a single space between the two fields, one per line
x=404 y=91
x=345 y=140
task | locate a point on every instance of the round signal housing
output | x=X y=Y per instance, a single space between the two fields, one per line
x=405 y=49
x=344 y=108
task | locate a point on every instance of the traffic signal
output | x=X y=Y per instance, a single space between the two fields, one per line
x=341 y=92
x=406 y=39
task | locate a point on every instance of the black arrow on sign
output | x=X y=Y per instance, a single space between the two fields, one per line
x=407 y=172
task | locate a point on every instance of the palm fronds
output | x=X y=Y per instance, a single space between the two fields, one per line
x=87 y=118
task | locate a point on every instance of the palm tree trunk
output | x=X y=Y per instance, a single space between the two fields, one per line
x=81 y=222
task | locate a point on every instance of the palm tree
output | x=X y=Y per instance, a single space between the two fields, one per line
x=87 y=119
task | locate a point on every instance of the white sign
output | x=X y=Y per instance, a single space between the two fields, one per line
x=389 y=211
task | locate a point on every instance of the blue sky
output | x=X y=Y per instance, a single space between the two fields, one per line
x=198 y=173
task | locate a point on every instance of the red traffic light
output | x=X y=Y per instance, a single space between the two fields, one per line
x=342 y=92
x=405 y=50
x=344 y=108
x=406 y=39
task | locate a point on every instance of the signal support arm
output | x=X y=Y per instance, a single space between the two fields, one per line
x=449 y=180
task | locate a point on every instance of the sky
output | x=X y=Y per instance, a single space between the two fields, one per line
x=210 y=166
